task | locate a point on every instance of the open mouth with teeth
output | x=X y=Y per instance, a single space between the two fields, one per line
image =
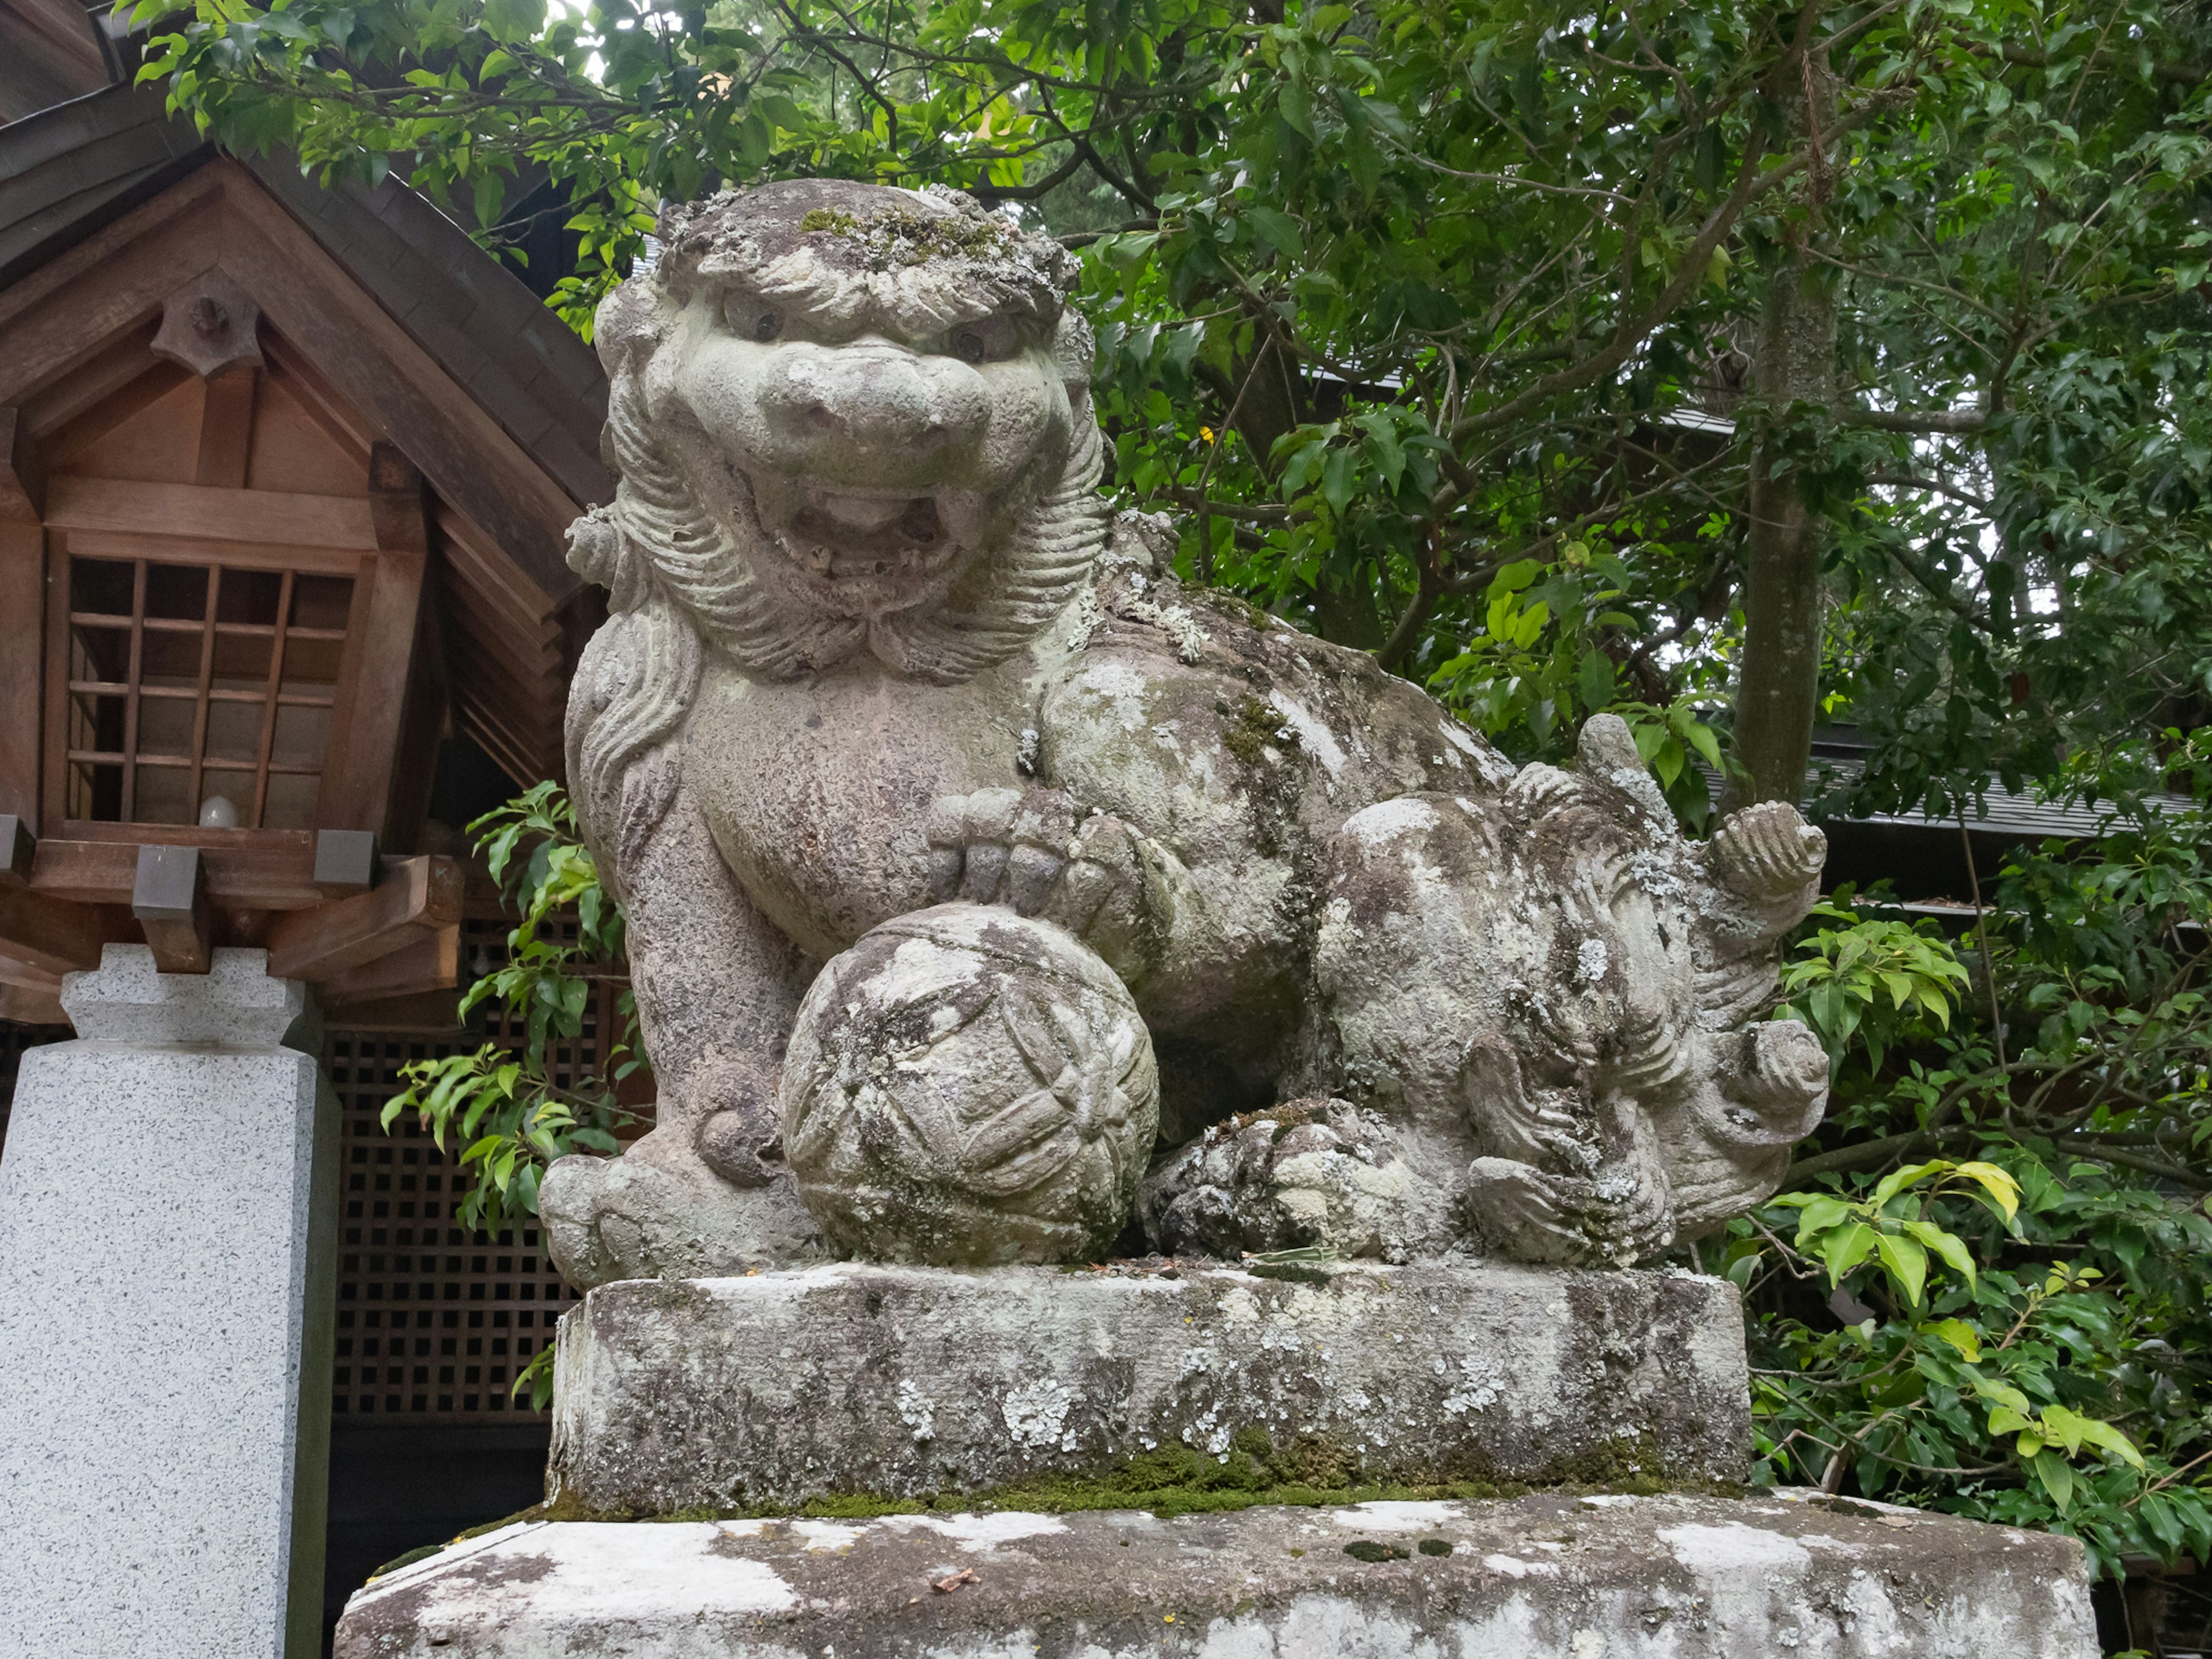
x=868 y=536
x=888 y=543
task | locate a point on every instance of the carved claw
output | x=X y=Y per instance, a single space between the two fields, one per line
x=1513 y=1124
x=1526 y=1215
x=1041 y=853
x=1001 y=846
x=1768 y=854
x=1772 y=1080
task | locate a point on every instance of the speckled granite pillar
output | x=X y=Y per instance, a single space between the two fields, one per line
x=166 y=1201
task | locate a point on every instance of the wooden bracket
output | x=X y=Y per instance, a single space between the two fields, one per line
x=170 y=900
x=419 y=895
x=210 y=324
x=345 y=862
x=432 y=962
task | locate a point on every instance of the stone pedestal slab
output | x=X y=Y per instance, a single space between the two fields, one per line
x=1544 y=1577
x=774 y=1390
x=167 y=1197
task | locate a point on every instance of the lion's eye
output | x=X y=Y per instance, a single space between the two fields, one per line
x=767 y=325
x=969 y=346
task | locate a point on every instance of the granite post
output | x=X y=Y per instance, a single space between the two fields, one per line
x=168 y=1199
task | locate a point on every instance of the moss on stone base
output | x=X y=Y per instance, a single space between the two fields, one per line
x=1179 y=1480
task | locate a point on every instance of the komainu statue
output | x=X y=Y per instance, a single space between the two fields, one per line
x=991 y=893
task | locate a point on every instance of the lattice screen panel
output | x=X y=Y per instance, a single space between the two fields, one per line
x=433 y=1322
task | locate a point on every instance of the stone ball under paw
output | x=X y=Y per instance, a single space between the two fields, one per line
x=966 y=1087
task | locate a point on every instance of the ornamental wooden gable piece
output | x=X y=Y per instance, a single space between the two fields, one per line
x=284 y=474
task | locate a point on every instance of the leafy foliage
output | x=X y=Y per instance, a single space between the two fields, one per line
x=499 y=1102
x=1439 y=318
x=2018 y=1336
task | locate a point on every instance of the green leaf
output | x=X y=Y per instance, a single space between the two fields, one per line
x=1949 y=1246
x=1968 y=1341
x=1279 y=230
x=1595 y=679
x=1997 y=1182
x=2056 y=1478
x=1905 y=1263
x=1846 y=1247
x=1897 y=1181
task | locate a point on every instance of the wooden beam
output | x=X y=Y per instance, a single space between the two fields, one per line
x=72 y=326
x=54 y=764
x=189 y=510
x=49 y=936
x=98 y=395
x=419 y=895
x=170 y=900
x=339 y=420
x=32 y=1005
x=178 y=209
x=227 y=427
x=417 y=1012
x=200 y=550
x=429 y=962
x=22 y=653
x=397 y=502
x=372 y=710
x=246 y=869
x=377 y=367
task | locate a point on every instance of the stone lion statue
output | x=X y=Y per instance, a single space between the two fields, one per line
x=991 y=893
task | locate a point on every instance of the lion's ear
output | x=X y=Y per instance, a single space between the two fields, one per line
x=1074 y=346
x=627 y=324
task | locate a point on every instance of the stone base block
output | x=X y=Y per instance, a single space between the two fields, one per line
x=769 y=1392
x=1542 y=1578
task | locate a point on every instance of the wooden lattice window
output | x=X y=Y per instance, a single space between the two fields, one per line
x=433 y=1321
x=198 y=692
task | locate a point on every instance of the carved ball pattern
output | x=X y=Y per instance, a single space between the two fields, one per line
x=967 y=1087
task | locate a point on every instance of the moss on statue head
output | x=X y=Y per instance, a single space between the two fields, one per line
x=905 y=236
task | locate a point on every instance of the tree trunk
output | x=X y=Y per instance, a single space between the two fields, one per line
x=1778 y=692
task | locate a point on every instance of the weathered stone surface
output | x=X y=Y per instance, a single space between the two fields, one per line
x=168 y=1204
x=771 y=1391
x=875 y=644
x=1536 y=1578
x=969 y=1087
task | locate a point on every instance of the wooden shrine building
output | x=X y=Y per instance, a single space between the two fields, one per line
x=285 y=475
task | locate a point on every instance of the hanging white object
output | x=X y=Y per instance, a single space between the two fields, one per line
x=218 y=812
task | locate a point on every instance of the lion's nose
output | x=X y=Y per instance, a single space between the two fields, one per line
x=881 y=401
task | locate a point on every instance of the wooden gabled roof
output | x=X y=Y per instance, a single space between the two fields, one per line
x=384 y=323
x=50 y=51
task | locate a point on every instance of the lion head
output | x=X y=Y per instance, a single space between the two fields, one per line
x=852 y=425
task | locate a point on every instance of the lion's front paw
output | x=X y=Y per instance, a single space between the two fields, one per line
x=1039 y=853
x=658 y=1211
x=1527 y=1214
